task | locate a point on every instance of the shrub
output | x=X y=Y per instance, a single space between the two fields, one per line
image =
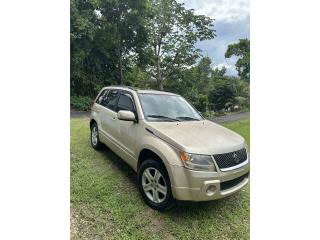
x=222 y=96
x=243 y=103
x=82 y=103
x=202 y=103
x=198 y=100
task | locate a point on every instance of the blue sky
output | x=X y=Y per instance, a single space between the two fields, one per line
x=232 y=22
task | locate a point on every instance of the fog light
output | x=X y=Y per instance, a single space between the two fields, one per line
x=210 y=190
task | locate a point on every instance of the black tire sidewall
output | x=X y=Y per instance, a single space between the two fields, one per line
x=98 y=145
x=169 y=201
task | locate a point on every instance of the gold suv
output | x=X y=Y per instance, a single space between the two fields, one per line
x=177 y=154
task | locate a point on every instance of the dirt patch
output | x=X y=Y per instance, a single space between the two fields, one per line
x=157 y=226
x=84 y=225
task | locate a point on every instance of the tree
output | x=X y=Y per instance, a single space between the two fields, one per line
x=130 y=42
x=173 y=32
x=223 y=94
x=106 y=37
x=219 y=72
x=125 y=20
x=82 y=31
x=137 y=77
x=241 y=50
x=203 y=74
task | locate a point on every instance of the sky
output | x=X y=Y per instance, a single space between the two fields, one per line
x=232 y=22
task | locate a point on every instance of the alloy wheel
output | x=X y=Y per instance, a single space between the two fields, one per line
x=154 y=185
x=94 y=136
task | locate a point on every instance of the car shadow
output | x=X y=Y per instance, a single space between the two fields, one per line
x=119 y=164
x=183 y=208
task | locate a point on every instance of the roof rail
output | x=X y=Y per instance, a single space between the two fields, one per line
x=129 y=87
x=132 y=88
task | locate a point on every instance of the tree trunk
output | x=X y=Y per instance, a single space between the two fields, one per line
x=160 y=85
x=159 y=77
x=120 y=63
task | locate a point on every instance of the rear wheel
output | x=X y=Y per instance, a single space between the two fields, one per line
x=95 y=142
x=154 y=185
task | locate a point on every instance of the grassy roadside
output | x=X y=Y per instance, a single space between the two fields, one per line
x=105 y=203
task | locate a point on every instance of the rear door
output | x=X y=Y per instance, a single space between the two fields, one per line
x=108 y=115
x=97 y=107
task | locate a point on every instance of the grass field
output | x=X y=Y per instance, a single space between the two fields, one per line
x=105 y=202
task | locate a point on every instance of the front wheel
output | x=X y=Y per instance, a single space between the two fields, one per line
x=154 y=185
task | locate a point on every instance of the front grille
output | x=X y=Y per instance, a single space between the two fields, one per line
x=230 y=159
x=231 y=183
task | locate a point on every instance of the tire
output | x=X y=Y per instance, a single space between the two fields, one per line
x=95 y=141
x=155 y=186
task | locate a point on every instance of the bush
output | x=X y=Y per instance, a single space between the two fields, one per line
x=243 y=103
x=222 y=96
x=202 y=103
x=82 y=103
x=198 y=100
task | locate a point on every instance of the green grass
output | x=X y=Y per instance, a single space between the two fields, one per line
x=105 y=203
x=242 y=127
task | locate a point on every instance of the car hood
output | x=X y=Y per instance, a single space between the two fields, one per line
x=201 y=137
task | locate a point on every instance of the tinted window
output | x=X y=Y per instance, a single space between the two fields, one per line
x=102 y=96
x=125 y=103
x=110 y=100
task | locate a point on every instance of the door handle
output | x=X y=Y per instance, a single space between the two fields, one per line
x=114 y=118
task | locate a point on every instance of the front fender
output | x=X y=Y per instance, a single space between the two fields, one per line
x=168 y=154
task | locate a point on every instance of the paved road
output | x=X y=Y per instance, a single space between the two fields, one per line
x=79 y=114
x=230 y=118
x=233 y=117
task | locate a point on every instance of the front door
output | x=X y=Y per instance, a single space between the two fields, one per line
x=127 y=129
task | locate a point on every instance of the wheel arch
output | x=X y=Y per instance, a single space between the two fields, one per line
x=92 y=121
x=160 y=152
x=145 y=154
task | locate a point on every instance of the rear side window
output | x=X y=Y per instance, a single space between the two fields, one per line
x=110 y=100
x=102 y=95
x=125 y=102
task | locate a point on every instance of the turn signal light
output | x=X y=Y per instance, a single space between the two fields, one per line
x=184 y=156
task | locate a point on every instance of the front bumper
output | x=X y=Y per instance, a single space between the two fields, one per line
x=190 y=185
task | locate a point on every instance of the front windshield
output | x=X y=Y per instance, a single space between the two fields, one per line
x=163 y=107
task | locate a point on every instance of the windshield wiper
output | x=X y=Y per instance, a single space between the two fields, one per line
x=189 y=118
x=164 y=117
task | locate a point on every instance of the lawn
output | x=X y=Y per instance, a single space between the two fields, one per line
x=105 y=203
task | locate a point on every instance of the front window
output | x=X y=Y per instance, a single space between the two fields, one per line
x=163 y=107
x=125 y=102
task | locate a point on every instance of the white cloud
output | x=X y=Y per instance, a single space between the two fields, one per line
x=221 y=65
x=231 y=70
x=232 y=23
x=222 y=10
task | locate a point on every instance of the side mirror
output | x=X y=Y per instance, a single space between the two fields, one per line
x=126 y=115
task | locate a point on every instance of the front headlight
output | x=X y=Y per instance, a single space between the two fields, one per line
x=197 y=162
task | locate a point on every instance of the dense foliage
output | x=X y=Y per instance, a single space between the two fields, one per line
x=151 y=44
x=82 y=103
x=209 y=89
x=241 y=50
